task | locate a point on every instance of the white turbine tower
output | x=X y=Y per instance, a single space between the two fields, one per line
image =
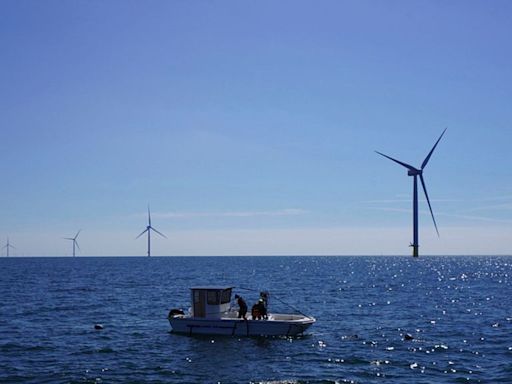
x=148 y=229
x=75 y=243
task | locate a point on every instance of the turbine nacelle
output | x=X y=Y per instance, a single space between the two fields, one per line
x=414 y=172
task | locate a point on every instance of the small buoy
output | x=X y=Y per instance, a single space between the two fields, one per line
x=98 y=326
x=408 y=336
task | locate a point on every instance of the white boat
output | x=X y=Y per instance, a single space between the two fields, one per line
x=211 y=314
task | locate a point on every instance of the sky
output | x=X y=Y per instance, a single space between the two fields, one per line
x=250 y=127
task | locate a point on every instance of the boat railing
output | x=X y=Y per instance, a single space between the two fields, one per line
x=297 y=315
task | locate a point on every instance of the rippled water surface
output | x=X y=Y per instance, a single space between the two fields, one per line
x=379 y=319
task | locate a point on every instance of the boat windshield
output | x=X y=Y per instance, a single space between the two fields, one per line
x=226 y=296
x=216 y=297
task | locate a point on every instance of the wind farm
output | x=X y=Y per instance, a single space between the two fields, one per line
x=75 y=243
x=288 y=151
x=76 y=247
x=148 y=230
x=415 y=172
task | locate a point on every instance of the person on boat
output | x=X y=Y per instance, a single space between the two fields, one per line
x=263 y=309
x=259 y=311
x=242 y=310
x=264 y=297
x=255 y=312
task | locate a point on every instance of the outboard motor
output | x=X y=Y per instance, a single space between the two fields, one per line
x=175 y=313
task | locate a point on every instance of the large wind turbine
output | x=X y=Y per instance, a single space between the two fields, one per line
x=415 y=173
x=7 y=246
x=75 y=243
x=148 y=229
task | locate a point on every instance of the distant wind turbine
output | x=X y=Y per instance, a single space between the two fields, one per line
x=75 y=243
x=415 y=173
x=148 y=229
x=7 y=246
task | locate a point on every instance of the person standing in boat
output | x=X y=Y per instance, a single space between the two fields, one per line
x=242 y=310
x=263 y=308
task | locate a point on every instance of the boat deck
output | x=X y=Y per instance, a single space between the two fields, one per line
x=271 y=316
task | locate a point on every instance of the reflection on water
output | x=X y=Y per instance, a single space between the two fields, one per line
x=433 y=319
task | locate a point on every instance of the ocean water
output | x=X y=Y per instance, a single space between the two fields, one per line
x=456 y=311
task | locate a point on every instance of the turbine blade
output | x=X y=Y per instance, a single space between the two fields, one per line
x=161 y=234
x=428 y=201
x=425 y=162
x=143 y=232
x=68 y=238
x=409 y=167
x=149 y=216
x=76 y=243
x=77 y=234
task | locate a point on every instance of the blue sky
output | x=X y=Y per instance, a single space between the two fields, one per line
x=250 y=126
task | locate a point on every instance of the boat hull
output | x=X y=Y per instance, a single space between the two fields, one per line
x=239 y=327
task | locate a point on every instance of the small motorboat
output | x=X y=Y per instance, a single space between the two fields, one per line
x=211 y=314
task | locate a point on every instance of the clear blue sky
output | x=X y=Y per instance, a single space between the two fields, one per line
x=250 y=126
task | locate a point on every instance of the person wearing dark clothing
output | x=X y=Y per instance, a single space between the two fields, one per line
x=255 y=312
x=263 y=309
x=259 y=311
x=242 y=310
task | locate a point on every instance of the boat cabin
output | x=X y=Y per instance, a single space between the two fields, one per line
x=210 y=302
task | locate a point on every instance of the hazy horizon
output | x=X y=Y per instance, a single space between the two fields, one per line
x=250 y=127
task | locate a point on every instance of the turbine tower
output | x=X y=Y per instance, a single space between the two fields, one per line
x=414 y=172
x=75 y=243
x=148 y=229
x=7 y=246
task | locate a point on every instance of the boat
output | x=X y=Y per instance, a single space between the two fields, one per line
x=211 y=313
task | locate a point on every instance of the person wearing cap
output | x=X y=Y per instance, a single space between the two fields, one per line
x=242 y=310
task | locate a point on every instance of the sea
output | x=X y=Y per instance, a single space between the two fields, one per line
x=379 y=320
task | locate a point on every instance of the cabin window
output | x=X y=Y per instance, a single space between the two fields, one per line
x=213 y=298
x=226 y=296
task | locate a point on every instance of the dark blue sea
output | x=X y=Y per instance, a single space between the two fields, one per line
x=379 y=320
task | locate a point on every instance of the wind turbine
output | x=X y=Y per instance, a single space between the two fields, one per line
x=75 y=243
x=148 y=229
x=7 y=246
x=412 y=171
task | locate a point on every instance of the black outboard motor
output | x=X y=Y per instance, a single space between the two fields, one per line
x=175 y=312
